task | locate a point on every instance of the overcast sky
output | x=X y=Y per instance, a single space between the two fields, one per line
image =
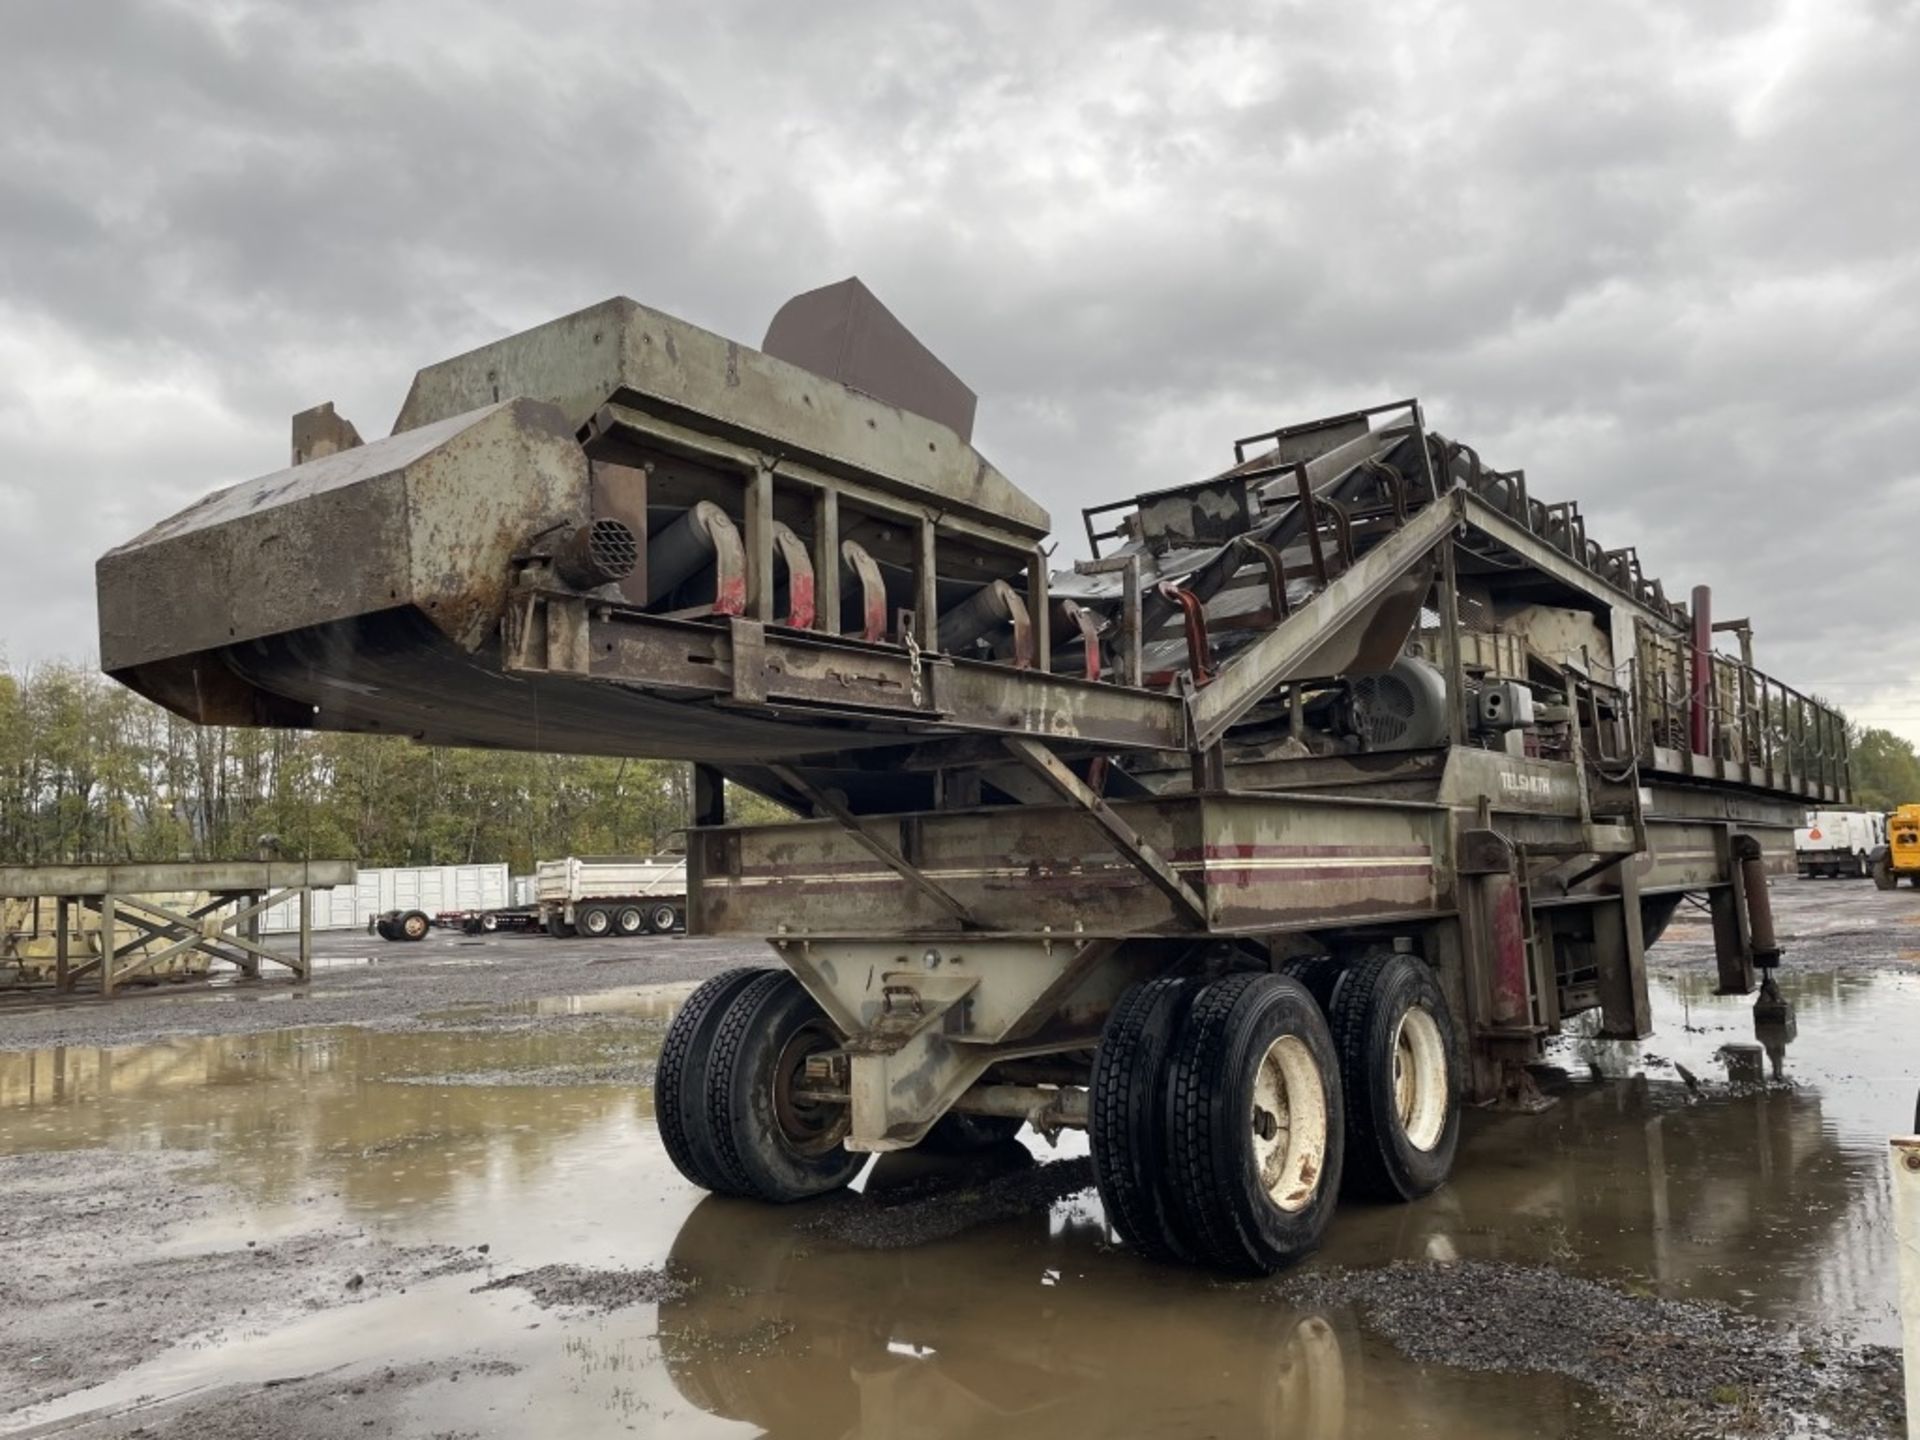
x=1666 y=257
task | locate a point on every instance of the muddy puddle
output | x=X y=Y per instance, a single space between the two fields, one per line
x=1671 y=1170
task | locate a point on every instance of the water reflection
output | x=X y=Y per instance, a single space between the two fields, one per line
x=382 y=1120
x=1770 y=1195
x=1033 y=1328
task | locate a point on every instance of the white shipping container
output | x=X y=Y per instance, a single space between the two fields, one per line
x=431 y=888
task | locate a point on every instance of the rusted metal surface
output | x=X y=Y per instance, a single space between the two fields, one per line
x=1254 y=862
x=844 y=333
x=620 y=348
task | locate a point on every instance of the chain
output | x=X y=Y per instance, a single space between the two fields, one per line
x=914 y=693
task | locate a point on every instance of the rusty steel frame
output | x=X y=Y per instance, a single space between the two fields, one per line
x=994 y=849
x=225 y=927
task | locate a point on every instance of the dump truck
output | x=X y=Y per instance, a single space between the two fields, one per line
x=1839 y=844
x=1300 y=812
x=612 y=895
x=1899 y=858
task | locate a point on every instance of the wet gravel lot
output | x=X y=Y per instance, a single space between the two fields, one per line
x=362 y=980
x=426 y=1197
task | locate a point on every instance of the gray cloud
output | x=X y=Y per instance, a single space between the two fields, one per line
x=1667 y=258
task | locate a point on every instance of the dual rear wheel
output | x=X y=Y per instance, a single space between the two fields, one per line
x=728 y=1094
x=1227 y=1118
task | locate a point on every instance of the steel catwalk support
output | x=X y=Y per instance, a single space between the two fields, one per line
x=137 y=934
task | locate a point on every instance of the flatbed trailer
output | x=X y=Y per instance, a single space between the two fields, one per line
x=1303 y=812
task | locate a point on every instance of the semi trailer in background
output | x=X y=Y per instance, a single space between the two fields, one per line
x=1305 y=808
x=599 y=896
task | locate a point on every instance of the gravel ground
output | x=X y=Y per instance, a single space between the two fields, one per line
x=1825 y=927
x=87 y=1293
x=975 y=1190
x=573 y=1287
x=402 y=985
x=1669 y=1370
x=328 y=1406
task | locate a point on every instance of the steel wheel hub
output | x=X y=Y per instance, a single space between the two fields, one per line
x=1420 y=1078
x=1289 y=1124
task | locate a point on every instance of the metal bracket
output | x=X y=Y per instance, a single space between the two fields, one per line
x=800 y=582
x=873 y=590
x=1199 y=647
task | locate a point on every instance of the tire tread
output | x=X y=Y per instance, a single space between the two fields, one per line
x=691 y=1020
x=728 y=1037
x=1124 y=1118
x=1369 y=1173
x=1194 y=1094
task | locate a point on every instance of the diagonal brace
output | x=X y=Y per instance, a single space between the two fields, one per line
x=1278 y=654
x=873 y=845
x=1141 y=855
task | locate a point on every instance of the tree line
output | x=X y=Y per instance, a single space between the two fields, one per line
x=91 y=771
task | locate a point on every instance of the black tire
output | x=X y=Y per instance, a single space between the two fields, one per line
x=595 y=922
x=662 y=918
x=384 y=929
x=957 y=1134
x=628 y=921
x=414 y=925
x=771 y=1146
x=1126 y=1124
x=1319 y=973
x=1883 y=876
x=1239 y=1219
x=1391 y=1026
x=489 y=923
x=680 y=1079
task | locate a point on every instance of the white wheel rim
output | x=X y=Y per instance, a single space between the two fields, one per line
x=1420 y=1078
x=1289 y=1124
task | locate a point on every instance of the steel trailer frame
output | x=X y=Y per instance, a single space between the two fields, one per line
x=1021 y=792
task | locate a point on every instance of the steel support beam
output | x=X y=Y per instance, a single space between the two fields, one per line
x=828 y=804
x=842 y=677
x=1142 y=856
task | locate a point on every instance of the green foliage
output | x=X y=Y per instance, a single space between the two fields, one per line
x=91 y=771
x=1886 y=772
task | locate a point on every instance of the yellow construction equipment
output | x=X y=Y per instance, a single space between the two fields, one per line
x=1901 y=855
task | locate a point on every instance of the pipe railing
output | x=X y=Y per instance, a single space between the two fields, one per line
x=1751 y=718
